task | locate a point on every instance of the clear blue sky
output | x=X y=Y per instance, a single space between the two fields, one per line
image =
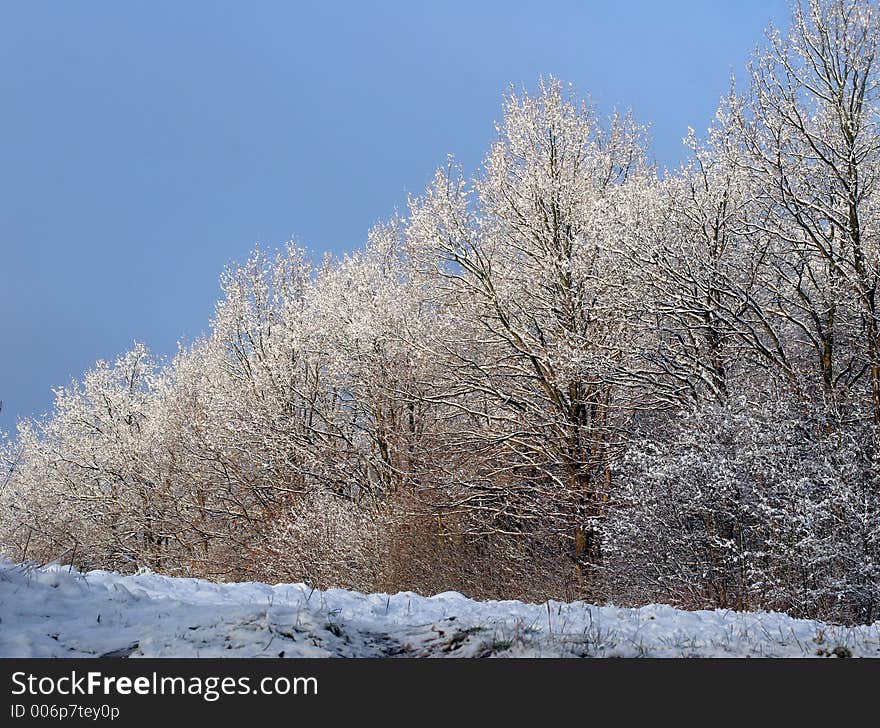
x=143 y=145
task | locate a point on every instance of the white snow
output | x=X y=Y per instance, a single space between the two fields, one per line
x=55 y=612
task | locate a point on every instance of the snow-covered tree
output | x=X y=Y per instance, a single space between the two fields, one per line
x=808 y=128
x=530 y=258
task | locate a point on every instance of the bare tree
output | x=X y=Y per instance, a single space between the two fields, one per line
x=809 y=130
x=531 y=261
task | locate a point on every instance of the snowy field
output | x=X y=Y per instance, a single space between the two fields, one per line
x=52 y=612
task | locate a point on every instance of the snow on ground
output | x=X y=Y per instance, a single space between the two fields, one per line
x=53 y=612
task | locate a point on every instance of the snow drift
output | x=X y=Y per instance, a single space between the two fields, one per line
x=56 y=612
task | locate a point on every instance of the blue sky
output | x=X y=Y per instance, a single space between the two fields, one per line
x=144 y=145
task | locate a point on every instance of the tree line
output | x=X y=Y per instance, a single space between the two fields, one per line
x=569 y=375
